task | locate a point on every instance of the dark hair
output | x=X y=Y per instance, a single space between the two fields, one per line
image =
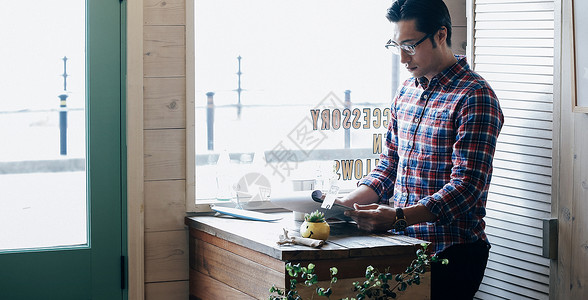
x=429 y=15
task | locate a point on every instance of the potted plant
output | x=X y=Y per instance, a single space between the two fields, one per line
x=315 y=226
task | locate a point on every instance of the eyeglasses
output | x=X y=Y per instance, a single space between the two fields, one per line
x=408 y=49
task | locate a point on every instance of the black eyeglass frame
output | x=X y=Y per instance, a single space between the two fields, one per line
x=408 y=49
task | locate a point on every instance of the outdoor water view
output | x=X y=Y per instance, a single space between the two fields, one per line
x=298 y=83
x=42 y=121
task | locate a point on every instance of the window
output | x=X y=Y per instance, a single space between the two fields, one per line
x=288 y=92
x=42 y=116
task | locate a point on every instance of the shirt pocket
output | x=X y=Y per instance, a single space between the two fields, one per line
x=436 y=132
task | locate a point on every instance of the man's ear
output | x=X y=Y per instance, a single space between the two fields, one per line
x=442 y=35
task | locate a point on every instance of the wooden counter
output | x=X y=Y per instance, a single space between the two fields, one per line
x=232 y=258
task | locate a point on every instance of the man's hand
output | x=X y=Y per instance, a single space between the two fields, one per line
x=373 y=217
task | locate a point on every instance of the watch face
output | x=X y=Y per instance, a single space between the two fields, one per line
x=400 y=225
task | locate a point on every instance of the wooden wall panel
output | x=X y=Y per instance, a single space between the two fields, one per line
x=164 y=125
x=165 y=205
x=164 y=12
x=174 y=290
x=164 y=103
x=205 y=287
x=164 y=51
x=166 y=256
x=165 y=154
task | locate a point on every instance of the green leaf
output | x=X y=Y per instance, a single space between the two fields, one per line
x=334 y=271
x=402 y=286
x=311 y=266
x=320 y=291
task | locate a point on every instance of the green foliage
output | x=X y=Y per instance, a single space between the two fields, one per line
x=315 y=217
x=377 y=285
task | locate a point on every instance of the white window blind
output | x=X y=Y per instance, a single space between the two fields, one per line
x=513 y=49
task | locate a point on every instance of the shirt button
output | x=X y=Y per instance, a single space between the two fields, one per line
x=405 y=168
x=425 y=97
x=404 y=194
x=416 y=120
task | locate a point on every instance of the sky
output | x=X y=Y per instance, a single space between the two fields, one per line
x=292 y=51
x=34 y=37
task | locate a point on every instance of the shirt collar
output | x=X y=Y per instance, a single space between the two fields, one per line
x=447 y=76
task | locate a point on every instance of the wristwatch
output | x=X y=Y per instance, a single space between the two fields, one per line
x=400 y=221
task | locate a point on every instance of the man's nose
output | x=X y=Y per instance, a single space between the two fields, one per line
x=404 y=57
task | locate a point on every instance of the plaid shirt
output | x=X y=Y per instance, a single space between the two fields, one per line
x=440 y=145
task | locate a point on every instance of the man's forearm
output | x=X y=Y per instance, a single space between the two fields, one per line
x=363 y=194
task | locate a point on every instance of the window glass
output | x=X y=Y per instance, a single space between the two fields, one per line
x=288 y=92
x=42 y=116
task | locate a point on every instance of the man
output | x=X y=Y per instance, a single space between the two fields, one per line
x=432 y=182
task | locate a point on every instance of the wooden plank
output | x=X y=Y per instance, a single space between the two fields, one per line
x=511 y=60
x=205 y=287
x=165 y=154
x=522 y=16
x=252 y=255
x=529 y=123
x=539 y=265
x=521 y=184
x=515 y=7
x=510 y=1
x=514 y=24
x=529 y=177
x=517 y=236
x=514 y=33
x=165 y=205
x=164 y=51
x=164 y=103
x=239 y=231
x=497 y=68
x=492 y=214
x=521 y=202
x=513 y=192
x=520 y=78
x=528 y=87
x=166 y=256
x=360 y=246
x=500 y=293
x=516 y=247
x=531 y=213
x=518 y=131
x=343 y=289
x=536 y=232
x=173 y=290
x=164 y=12
x=579 y=244
x=241 y=273
x=482 y=295
x=518 y=291
x=514 y=51
x=525 y=96
x=528 y=42
x=522 y=167
x=134 y=156
x=523 y=149
x=529 y=105
x=510 y=253
x=355 y=267
x=518 y=275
